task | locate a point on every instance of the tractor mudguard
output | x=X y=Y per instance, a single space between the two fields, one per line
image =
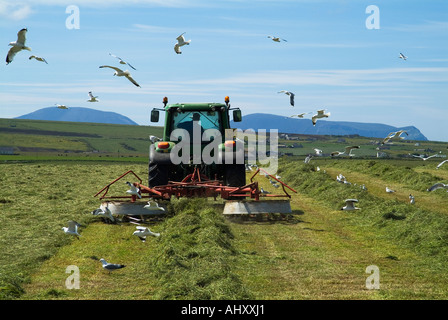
x=158 y=157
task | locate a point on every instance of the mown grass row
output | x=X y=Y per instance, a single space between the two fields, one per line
x=423 y=231
x=196 y=254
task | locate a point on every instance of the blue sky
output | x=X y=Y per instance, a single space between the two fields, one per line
x=331 y=59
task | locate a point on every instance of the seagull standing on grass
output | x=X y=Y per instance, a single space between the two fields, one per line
x=350 y=205
x=320 y=114
x=17 y=46
x=133 y=190
x=389 y=190
x=111 y=266
x=411 y=199
x=72 y=228
x=38 y=59
x=142 y=232
x=120 y=73
x=122 y=61
x=180 y=42
x=291 y=97
x=438 y=186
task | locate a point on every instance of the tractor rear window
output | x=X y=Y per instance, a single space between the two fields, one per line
x=207 y=120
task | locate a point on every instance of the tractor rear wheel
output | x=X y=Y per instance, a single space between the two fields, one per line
x=158 y=174
x=235 y=175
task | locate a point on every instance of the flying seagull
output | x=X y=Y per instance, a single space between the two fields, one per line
x=421 y=156
x=180 y=42
x=438 y=186
x=394 y=136
x=120 y=73
x=154 y=139
x=111 y=266
x=92 y=98
x=133 y=190
x=122 y=61
x=350 y=205
x=17 y=45
x=277 y=39
x=402 y=56
x=38 y=59
x=318 y=152
x=290 y=94
x=72 y=228
x=441 y=163
x=300 y=115
x=347 y=151
x=153 y=206
x=106 y=213
x=320 y=114
x=61 y=106
x=142 y=232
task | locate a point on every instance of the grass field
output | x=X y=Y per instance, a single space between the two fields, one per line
x=318 y=252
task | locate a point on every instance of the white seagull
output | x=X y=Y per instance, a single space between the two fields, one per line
x=318 y=115
x=308 y=158
x=120 y=73
x=291 y=96
x=441 y=163
x=111 y=266
x=38 y=59
x=402 y=56
x=300 y=115
x=106 y=213
x=122 y=61
x=180 y=42
x=142 y=232
x=411 y=199
x=72 y=228
x=154 y=139
x=277 y=39
x=350 y=205
x=438 y=186
x=394 y=136
x=92 y=97
x=264 y=191
x=17 y=45
x=318 y=152
x=347 y=151
x=421 y=156
x=153 y=206
x=133 y=190
x=389 y=190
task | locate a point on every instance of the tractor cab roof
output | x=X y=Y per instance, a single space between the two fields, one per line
x=195 y=106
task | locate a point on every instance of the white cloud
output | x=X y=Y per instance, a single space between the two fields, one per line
x=14 y=10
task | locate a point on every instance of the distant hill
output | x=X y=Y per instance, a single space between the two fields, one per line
x=284 y=124
x=78 y=114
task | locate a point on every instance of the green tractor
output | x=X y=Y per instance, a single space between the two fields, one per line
x=196 y=136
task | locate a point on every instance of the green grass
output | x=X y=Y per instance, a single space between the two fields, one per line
x=318 y=252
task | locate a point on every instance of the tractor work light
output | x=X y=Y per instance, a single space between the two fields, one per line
x=163 y=145
x=229 y=143
x=227 y=100
x=165 y=100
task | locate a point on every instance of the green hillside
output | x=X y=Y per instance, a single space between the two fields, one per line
x=57 y=138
